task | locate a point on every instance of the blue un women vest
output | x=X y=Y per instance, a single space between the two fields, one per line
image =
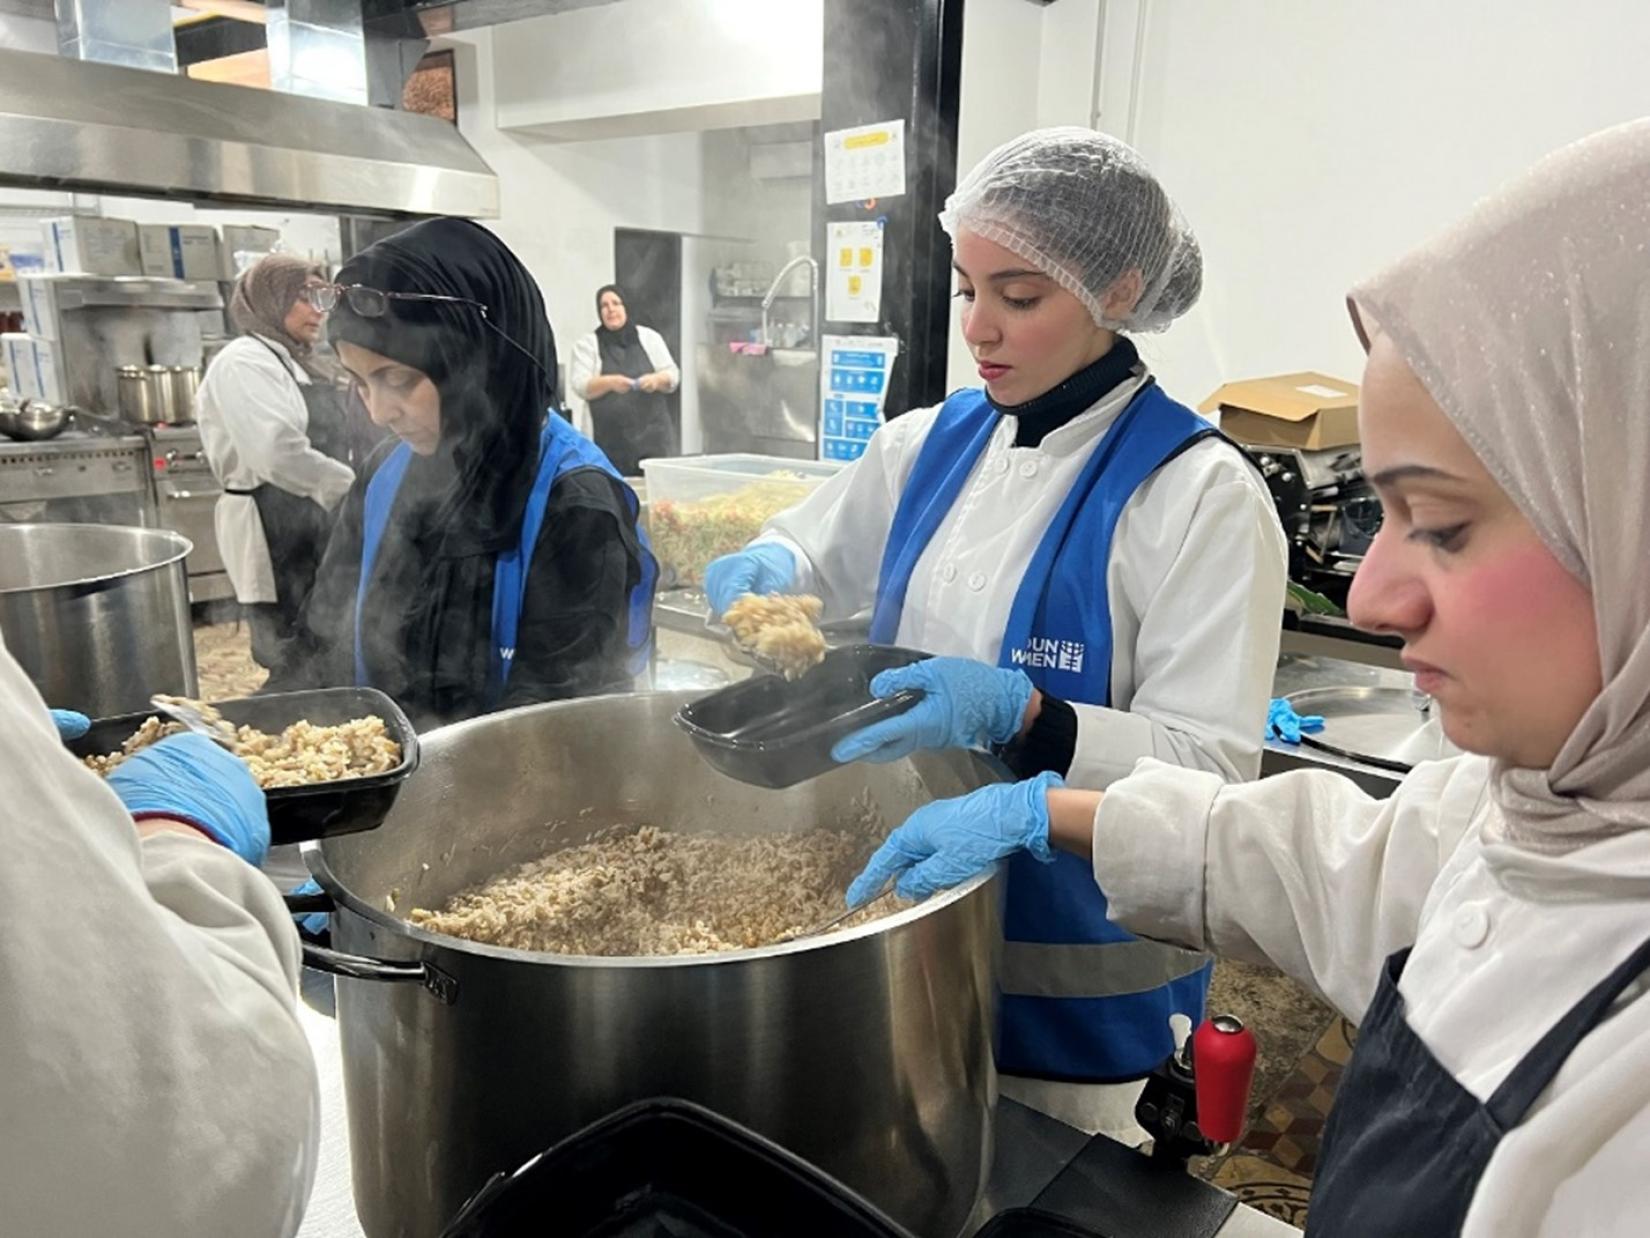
x=1074 y=1005
x=562 y=449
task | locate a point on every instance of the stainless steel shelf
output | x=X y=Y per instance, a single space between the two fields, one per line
x=133 y=292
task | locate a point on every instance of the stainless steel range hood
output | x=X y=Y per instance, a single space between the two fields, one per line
x=99 y=128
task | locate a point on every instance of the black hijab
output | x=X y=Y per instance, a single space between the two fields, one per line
x=493 y=398
x=621 y=350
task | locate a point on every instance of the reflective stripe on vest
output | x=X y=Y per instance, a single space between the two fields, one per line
x=562 y=450
x=1082 y=998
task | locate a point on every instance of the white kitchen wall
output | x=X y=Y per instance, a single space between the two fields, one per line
x=1308 y=143
x=661 y=66
x=560 y=201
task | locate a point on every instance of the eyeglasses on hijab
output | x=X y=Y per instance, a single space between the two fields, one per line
x=367 y=302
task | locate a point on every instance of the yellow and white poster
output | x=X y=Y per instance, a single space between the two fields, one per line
x=853 y=284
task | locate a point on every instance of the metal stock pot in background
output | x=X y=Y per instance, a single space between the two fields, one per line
x=868 y=1053
x=98 y=615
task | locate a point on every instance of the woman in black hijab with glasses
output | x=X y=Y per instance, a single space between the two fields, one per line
x=488 y=556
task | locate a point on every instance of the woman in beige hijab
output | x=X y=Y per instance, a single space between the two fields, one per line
x=1488 y=926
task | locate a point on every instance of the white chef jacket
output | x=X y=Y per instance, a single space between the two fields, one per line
x=587 y=364
x=254 y=429
x=1195 y=584
x=1308 y=873
x=154 y=1078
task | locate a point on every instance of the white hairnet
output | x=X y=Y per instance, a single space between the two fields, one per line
x=1083 y=209
x=1529 y=324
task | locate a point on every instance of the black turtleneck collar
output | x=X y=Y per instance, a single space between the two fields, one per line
x=1042 y=416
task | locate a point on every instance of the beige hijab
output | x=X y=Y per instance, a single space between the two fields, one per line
x=1529 y=322
x=264 y=295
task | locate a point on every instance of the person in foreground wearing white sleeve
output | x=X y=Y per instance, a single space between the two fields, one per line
x=1101 y=574
x=1489 y=924
x=154 y=1078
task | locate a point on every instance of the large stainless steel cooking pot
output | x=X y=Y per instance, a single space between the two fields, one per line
x=868 y=1052
x=98 y=615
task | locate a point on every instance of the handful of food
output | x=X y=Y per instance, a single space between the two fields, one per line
x=781 y=631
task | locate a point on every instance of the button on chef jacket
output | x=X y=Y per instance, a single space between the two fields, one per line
x=254 y=428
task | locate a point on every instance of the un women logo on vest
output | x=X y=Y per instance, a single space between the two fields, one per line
x=1047 y=653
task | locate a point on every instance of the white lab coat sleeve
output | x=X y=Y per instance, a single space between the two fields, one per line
x=658 y=356
x=586 y=365
x=265 y=418
x=148 y=1032
x=1303 y=871
x=1207 y=595
x=838 y=532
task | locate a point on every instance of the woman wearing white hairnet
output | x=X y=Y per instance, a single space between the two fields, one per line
x=1076 y=527
x=1488 y=926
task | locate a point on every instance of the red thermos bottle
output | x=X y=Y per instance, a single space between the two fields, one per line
x=1223 y=1065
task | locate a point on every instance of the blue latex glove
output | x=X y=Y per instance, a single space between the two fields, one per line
x=70 y=725
x=191 y=778
x=966 y=704
x=1282 y=722
x=315 y=922
x=762 y=568
x=945 y=843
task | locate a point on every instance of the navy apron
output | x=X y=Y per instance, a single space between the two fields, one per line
x=1406 y=1144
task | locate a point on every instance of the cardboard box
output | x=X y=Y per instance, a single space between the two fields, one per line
x=91 y=245
x=1308 y=411
x=179 y=251
x=242 y=244
x=21 y=376
x=51 y=385
x=38 y=293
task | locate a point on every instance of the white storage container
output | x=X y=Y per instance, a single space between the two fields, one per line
x=91 y=245
x=701 y=507
x=180 y=251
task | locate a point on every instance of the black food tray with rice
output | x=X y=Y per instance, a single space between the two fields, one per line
x=314 y=810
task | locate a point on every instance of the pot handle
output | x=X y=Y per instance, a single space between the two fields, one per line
x=362 y=967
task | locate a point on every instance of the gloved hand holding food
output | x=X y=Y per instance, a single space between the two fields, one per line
x=1282 y=722
x=945 y=843
x=190 y=779
x=764 y=567
x=966 y=704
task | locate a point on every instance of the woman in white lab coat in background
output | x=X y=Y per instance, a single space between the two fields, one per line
x=1077 y=528
x=1488 y=926
x=623 y=371
x=272 y=427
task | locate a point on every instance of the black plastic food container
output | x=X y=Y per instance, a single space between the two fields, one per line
x=318 y=810
x=668 y=1167
x=771 y=732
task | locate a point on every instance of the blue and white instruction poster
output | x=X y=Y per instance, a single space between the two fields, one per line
x=853 y=390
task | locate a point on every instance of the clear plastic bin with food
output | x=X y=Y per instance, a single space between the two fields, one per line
x=700 y=507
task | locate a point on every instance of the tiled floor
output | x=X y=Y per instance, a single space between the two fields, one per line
x=1303 y=1046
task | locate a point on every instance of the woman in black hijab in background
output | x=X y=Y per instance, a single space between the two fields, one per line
x=624 y=372
x=490 y=556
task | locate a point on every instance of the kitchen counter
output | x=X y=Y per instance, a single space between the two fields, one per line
x=1037 y=1159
